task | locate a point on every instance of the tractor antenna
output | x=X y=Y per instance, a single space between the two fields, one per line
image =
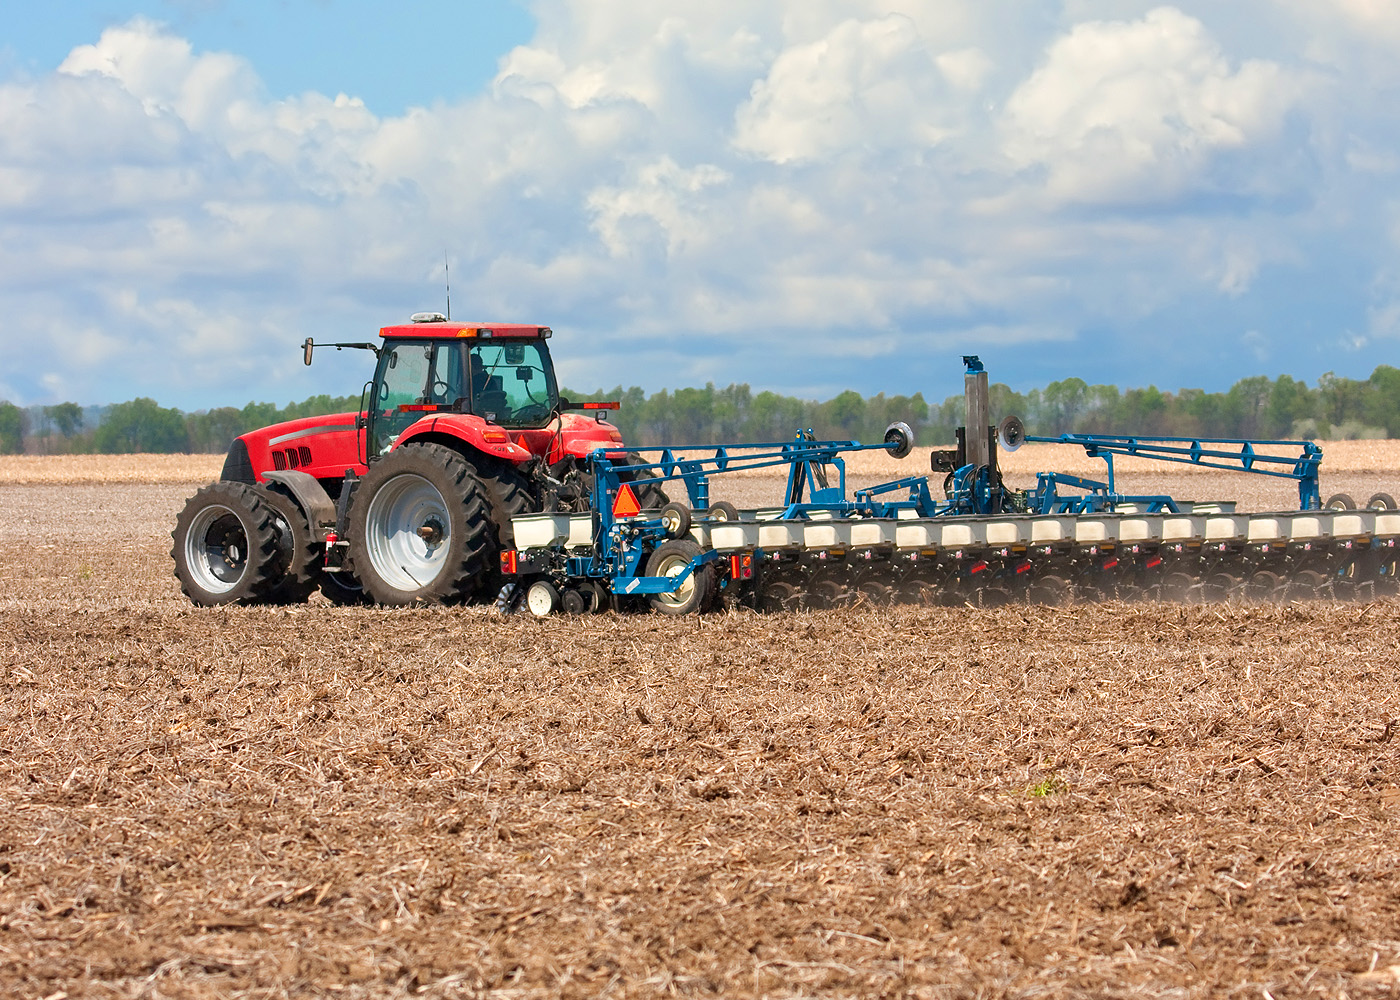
x=447 y=278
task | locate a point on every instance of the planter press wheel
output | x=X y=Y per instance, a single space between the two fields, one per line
x=876 y=593
x=1305 y=585
x=542 y=598
x=1180 y=588
x=1051 y=590
x=780 y=595
x=1219 y=587
x=1262 y=586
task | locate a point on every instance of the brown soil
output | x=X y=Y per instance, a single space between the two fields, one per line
x=1105 y=800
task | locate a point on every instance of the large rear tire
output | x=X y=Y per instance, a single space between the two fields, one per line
x=508 y=494
x=650 y=496
x=420 y=527
x=225 y=546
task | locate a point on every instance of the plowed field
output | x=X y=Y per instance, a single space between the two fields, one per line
x=1104 y=800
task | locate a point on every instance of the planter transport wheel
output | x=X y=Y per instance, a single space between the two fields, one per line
x=691 y=594
x=722 y=510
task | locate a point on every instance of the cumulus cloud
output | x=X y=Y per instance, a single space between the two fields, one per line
x=871 y=84
x=808 y=195
x=1127 y=111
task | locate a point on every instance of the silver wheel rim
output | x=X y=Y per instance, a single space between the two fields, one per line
x=671 y=521
x=216 y=549
x=539 y=600
x=674 y=565
x=408 y=532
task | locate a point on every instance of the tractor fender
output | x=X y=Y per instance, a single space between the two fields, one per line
x=311 y=496
x=469 y=429
x=580 y=436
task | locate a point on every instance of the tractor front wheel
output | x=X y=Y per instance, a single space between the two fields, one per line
x=226 y=546
x=420 y=527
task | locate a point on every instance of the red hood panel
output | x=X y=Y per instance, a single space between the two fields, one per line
x=323 y=446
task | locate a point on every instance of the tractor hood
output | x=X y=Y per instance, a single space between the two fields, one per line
x=323 y=446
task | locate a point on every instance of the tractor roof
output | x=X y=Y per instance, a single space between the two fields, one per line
x=435 y=326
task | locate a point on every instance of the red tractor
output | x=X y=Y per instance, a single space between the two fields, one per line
x=410 y=499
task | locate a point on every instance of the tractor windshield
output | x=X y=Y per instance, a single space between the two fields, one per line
x=508 y=382
x=512 y=382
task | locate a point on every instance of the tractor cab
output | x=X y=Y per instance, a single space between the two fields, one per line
x=501 y=374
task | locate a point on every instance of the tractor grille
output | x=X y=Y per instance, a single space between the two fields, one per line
x=291 y=458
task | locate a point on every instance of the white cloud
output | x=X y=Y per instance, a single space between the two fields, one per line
x=1134 y=111
x=866 y=84
x=799 y=193
x=663 y=194
x=1373 y=18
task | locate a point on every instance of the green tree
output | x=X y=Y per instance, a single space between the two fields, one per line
x=212 y=432
x=142 y=426
x=1063 y=403
x=1290 y=402
x=11 y=428
x=1382 y=407
x=66 y=418
x=844 y=416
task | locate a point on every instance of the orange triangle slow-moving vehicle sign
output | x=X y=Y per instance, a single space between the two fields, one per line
x=626 y=504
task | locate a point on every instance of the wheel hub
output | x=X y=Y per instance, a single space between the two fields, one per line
x=408 y=532
x=216 y=549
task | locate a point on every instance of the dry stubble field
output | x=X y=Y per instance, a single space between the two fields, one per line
x=1105 y=800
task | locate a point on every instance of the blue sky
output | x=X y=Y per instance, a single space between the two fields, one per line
x=805 y=195
x=383 y=53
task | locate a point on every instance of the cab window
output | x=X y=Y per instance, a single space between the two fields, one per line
x=412 y=373
x=512 y=382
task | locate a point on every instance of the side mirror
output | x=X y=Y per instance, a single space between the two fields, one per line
x=306 y=346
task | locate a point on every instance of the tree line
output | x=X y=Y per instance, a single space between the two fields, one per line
x=1257 y=407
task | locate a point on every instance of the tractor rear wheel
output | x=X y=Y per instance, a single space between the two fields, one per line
x=650 y=496
x=420 y=527
x=508 y=493
x=225 y=547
